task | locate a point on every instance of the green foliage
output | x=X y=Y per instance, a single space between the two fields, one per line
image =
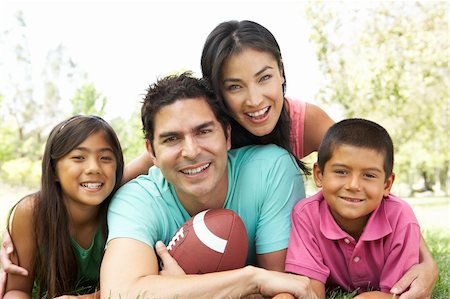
x=88 y=101
x=388 y=62
x=21 y=171
x=130 y=135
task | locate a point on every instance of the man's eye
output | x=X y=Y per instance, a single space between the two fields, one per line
x=169 y=139
x=205 y=131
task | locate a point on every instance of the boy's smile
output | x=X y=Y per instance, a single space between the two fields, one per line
x=353 y=184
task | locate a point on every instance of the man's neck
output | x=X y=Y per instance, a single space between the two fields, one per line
x=212 y=200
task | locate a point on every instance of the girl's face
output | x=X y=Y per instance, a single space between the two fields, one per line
x=252 y=88
x=87 y=174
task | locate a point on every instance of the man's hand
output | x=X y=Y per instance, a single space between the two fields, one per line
x=419 y=280
x=169 y=264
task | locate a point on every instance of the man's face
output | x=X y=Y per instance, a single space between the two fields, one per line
x=190 y=148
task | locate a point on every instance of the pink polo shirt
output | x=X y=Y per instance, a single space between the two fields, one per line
x=297 y=111
x=320 y=249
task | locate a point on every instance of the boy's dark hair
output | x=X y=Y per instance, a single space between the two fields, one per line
x=170 y=89
x=361 y=133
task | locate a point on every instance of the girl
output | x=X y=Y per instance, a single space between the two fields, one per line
x=59 y=232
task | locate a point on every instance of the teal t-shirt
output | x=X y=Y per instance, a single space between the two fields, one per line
x=264 y=183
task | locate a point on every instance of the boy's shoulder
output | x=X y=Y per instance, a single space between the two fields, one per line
x=398 y=210
x=309 y=203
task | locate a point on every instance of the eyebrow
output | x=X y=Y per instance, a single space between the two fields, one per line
x=85 y=149
x=366 y=169
x=256 y=75
x=196 y=128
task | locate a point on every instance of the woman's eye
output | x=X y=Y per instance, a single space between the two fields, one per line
x=233 y=87
x=265 y=77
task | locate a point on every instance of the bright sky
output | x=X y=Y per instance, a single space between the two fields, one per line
x=125 y=45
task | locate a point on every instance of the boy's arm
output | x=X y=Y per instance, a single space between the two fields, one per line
x=136 y=167
x=375 y=295
x=318 y=288
x=272 y=261
x=419 y=278
x=130 y=268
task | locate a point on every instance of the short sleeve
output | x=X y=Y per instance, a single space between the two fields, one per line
x=304 y=256
x=130 y=215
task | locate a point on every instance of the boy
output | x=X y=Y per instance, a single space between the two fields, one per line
x=353 y=234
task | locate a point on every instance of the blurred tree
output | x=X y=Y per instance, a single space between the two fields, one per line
x=130 y=135
x=88 y=101
x=389 y=62
x=32 y=99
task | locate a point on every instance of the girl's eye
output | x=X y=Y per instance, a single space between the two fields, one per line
x=107 y=158
x=77 y=157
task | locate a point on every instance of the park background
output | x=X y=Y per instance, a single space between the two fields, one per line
x=387 y=61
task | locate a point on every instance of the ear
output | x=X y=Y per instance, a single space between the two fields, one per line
x=388 y=184
x=150 y=151
x=317 y=173
x=229 y=137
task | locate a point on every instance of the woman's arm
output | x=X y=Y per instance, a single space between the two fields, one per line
x=420 y=278
x=138 y=166
x=317 y=123
x=22 y=234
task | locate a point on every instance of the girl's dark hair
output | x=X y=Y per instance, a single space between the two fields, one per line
x=55 y=265
x=231 y=38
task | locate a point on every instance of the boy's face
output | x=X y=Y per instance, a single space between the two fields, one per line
x=191 y=150
x=353 y=183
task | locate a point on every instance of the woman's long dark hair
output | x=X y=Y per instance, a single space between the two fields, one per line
x=231 y=38
x=55 y=265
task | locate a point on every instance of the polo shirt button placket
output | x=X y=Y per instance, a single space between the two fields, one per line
x=356 y=259
x=346 y=241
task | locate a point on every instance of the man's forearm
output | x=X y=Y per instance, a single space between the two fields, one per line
x=230 y=284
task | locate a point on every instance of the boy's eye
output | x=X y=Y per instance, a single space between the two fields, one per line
x=370 y=175
x=340 y=171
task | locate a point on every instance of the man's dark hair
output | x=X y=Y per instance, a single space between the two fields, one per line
x=360 y=133
x=174 y=88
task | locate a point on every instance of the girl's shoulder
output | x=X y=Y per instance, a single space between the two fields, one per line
x=26 y=205
x=22 y=212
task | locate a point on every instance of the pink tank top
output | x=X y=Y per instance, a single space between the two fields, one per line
x=297 y=111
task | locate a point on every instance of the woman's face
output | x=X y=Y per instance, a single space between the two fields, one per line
x=251 y=85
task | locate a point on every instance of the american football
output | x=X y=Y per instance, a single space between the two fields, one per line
x=211 y=241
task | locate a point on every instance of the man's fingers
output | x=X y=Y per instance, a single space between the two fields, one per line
x=403 y=284
x=169 y=264
x=162 y=251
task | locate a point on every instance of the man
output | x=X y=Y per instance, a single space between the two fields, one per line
x=188 y=136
